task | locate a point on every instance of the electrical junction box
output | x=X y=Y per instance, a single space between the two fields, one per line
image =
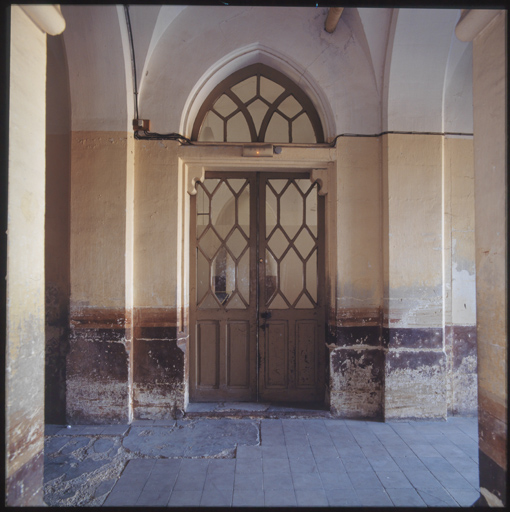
x=142 y=124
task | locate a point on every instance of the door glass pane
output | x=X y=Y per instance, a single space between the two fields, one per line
x=304 y=243
x=304 y=303
x=291 y=276
x=311 y=210
x=237 y=129
x=311 y=275
x=246 y=89
x=278 y=303
x=277 y=130
x=257 y=110
x=269 y=90
x=210 y=243
x=278 y=243
x=224 y=105
x=302 y=130
x=271 y=210
x=291 y=210
x=243 y=210
x=212 y=128
x=202 y=276
x=290 y=106
x=271 y=276
x=243 y=276
x=203 y=209
x=223 y=242
x=223 y=210
x=236 y=243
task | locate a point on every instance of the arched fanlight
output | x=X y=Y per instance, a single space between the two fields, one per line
x=258 y=104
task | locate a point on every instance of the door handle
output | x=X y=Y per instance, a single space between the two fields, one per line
x=266 y=315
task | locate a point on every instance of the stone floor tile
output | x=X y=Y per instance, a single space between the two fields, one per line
x=324 y=452
x=138 y=467
x=92 y=430
x=303 y=465
x=405 y=498
x=349 y=450
x=249 y=452
x=185 y=498
x=219 y=480
x=247 y=498
x=54 y=444
x=104 y=487
x=374 y=498
x=71 y=430
x=154 y=497
x=195 y=466
x=75 y=443
x=384 y=463
x=424 y=450
x=142 y=423
x=342 y=498
x=124 y=498
x=320 y=440
x=299 y=451
x=398 y=449
x=437 y=498
x=278 y=481
x=216 y=498
x=311 y=498
x=422 y=479
x=248 y=466
x=393 y=479
x=280 y=498
x=410 y=463
x=249 y=481
x=114 y=430
x=334 y=465
x=356 y=463
x=274 y=452
x=51 y=430
x=364 y=480
x=165 y=423
x=451 y=480
x=271 y=466
x=190 y=481
x=304 y=481
x=336 y=481
x=464 y=497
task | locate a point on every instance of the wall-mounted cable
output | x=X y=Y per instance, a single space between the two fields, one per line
x=144 y=134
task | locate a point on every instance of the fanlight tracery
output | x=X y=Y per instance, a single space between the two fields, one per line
x=258 y=104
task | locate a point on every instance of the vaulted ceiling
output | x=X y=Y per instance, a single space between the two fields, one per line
x=381 y=69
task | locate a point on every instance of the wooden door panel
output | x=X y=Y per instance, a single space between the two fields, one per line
x=223 y=347
x=208 y=355
x=238 y=355
x=276 y=374
x=306 y=356
x=290 y=216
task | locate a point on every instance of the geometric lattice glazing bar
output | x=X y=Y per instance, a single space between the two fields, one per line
x=222 y=244
x=291 y=244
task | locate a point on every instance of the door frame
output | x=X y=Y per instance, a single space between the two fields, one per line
x=194 y=161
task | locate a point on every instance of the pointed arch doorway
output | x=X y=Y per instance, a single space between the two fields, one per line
x=257 y=294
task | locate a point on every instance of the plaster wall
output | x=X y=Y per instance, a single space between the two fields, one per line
x=354 y=327
x=459 y=275
x=57 y=229
x=158 y=362
x=490 y=157
x=415 y=366
x=98 y=368
x=24 y=379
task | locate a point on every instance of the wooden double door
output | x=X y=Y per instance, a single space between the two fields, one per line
x=257 y=315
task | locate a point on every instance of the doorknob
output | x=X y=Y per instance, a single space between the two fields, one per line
x=266 y=315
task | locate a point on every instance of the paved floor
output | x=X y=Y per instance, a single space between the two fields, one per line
x=264 y=462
